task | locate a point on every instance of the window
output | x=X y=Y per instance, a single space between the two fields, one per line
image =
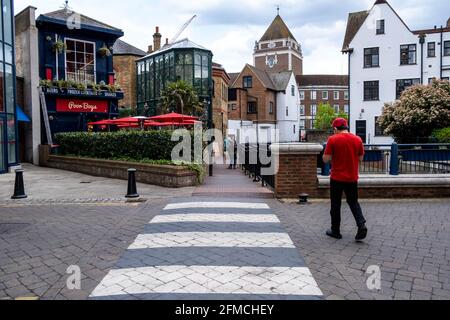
x=378 y=131
x=371 y=57
x=233 y=106
x=431 y=49
x=430 y=80
x=302 y=124
x=251 y=108
x=336 y=95
x=380 y=26
x=324 y=95
x=446 y=78
x=336 y=108
x=271 y=107
x=408 y=54
x=248 y=82
x=293 y=91
x=295 y=129
x=287 y=111
x=447 y=48
x=346 y=95
x=346 y=109
x=302 y=95
x=80 y=61
x=371 y=90
x=403 y=84
x=313 y=110
x=302 y=110
x=313 y=95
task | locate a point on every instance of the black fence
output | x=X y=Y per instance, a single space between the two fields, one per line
x=257 y=163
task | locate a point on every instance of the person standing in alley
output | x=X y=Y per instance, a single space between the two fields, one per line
x=345 y=151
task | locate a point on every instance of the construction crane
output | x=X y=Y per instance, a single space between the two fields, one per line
x=175 y=38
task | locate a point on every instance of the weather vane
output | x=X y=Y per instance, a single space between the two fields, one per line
x=66 y=5
x=278 y=9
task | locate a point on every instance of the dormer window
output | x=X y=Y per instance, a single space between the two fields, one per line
x=247 y=82
x=380 y=26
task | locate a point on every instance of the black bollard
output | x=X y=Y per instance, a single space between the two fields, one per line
x=132 y=189
x=19 y=188
x=303 y=198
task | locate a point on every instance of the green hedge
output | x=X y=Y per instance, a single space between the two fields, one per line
x=137 y=145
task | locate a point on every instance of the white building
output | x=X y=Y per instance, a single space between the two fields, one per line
x=385 y=57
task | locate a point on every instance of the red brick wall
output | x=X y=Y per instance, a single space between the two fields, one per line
x=125 y=68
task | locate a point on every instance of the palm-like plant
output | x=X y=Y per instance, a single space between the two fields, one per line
x=181 y=97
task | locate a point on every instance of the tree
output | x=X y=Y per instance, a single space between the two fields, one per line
x=325 y=117
x=420 y=110
x=181 y=97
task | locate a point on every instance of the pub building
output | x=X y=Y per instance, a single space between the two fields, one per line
x=8 y=107
x=181 y=60
x=76 y=66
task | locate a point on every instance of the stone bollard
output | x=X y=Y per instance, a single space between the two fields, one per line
x=19 y=188
x=132 y=189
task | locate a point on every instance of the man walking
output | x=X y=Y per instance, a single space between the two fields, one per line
x=345 y=151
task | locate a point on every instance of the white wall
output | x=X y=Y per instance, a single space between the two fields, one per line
x=287 y=124
x=390 y=70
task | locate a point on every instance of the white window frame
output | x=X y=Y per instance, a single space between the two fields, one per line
x=346 y=95
x=302 y=95
x=313 y=95
x=94 y=53
x=337 y=108
x=325 y=95
x=302 y=110
x=313 y=110
x=336 y=95
x=347 y=109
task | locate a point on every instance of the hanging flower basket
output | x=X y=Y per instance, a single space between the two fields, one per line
x=59 y=46
x=104 y=52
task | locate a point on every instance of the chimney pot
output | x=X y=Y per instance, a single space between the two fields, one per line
x=157 y=29
x=167 y=40
x=150 y=49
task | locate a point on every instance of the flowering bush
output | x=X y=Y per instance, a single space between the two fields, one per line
x=420 y=110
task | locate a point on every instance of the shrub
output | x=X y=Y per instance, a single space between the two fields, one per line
x=442 y=135
x=325 y=117
x=136 y=145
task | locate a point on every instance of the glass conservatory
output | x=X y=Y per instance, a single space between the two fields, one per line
x=182 y=60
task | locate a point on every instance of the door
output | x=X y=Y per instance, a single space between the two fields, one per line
x=361 y=129
x=3 y=145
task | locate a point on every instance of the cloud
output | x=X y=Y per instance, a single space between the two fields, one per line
x=230 y=27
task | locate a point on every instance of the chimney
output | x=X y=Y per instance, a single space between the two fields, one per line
x=167 y=41
x=157 y=40
x=448 y=23
x=150 y=49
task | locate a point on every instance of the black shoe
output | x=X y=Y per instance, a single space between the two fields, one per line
x=362 y=233
x=333 y=234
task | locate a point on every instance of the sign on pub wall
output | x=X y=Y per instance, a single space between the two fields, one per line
x=81 y=105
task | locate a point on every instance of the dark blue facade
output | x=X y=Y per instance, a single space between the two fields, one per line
x=78 y=72
x=8 y=112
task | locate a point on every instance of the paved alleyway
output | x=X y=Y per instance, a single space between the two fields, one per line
x=212 y=247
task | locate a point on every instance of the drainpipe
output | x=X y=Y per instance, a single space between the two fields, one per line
x=421 y=41
x=442 y=51
x=349 y=91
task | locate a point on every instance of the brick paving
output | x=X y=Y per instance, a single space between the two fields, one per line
x=409 y=240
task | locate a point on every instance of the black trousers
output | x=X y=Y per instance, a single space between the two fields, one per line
x=351 y=193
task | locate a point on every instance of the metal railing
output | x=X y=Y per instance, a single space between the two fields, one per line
x=254 y=159
x=84 y=76
x=398 y=159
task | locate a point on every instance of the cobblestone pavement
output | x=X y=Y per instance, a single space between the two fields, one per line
x=39 y=243
x=211 y=249
x=409 y=240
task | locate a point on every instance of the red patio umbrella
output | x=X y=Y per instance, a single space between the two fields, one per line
x=128 y=120
x=173 y=117
x=100 y=123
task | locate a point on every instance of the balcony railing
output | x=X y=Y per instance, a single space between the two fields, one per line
x=398 y=159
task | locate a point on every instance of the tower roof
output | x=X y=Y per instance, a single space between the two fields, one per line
x=277 y=30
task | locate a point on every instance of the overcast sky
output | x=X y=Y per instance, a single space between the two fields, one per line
x=229 y=28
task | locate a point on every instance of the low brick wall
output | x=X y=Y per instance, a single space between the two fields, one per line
x=160 y=175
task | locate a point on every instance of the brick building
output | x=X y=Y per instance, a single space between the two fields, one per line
x=221 y=83
x=124 y=64
x=278 y=50
x=321 y=89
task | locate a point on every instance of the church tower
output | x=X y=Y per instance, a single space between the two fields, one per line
x=278 y=50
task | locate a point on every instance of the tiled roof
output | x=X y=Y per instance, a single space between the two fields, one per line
x=233 y=76
x=355 y=21
x=281 y=79
x=322 y=80
x=277 y=30
x=65 y=14
x=264 y=77
x=122 y=48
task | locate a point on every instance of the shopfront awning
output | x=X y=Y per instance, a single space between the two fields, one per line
x=21 y=116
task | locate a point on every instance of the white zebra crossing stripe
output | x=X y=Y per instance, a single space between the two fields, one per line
x=198 y=217
x=213 y=280
x=218 y=205
x=212 y=239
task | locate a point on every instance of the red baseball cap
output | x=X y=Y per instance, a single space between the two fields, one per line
x=340 y=123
